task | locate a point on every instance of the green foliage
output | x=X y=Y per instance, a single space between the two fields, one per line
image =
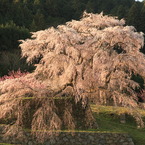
x=12 y=61
x=35 y=14
x=134 y=15
x=38 y=22
x=23 y=12
x=10 y=34
x=109 y=121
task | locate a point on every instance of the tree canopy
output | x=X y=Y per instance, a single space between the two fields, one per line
x=96 y=51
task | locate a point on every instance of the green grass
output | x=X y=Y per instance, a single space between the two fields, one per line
x=5 y=144
x=108 y=120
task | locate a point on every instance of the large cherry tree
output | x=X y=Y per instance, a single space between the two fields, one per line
x=95 y=57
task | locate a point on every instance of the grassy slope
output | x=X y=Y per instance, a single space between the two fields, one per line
x=108 y=120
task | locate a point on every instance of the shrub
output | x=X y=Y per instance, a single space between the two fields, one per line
x=13 y=74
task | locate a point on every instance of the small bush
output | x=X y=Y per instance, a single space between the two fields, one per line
x=13 y=74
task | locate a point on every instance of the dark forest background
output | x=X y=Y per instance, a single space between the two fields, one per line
x=20 y=17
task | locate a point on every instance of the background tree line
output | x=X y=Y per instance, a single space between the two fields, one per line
x=34 y=15
x=20 y=17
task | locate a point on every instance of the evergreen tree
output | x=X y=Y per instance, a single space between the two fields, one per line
x=90 y=6
x=10 y=34
x=121 y=12
x=134 y=15
x=142 y=19
x=38 y=22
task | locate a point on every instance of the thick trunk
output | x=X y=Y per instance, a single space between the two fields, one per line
x=46 y=116
x=76 y=114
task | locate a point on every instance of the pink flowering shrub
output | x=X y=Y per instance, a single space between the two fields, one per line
x=13 y=74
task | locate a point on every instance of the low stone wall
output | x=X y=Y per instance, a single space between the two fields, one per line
x=91 y=139
x=78 y=138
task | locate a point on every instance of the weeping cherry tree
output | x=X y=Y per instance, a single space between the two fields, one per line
x=95 y=57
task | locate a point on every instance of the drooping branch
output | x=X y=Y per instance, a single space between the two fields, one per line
x=94 y=57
